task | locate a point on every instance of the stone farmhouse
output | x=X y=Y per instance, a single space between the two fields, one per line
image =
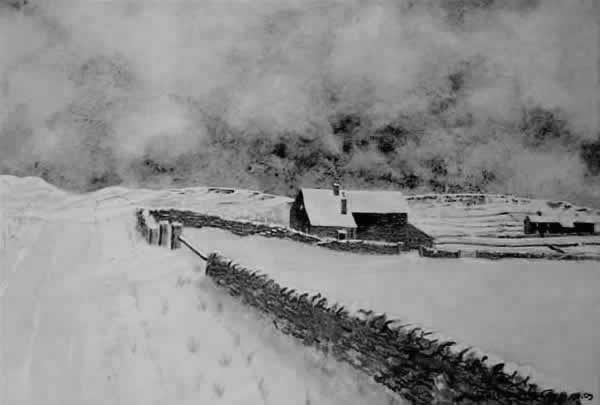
x=356 y=214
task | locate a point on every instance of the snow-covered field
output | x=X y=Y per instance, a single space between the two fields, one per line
x=89 y=314
x=495 y=216
x=495 y=222
x=543 y=316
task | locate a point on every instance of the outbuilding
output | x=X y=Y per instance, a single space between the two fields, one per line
x=558 y=224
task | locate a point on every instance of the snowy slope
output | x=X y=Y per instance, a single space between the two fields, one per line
x=89 y=314
x=542 y=317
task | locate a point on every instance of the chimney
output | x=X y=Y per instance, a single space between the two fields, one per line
x=344 y=204
x=336 y=188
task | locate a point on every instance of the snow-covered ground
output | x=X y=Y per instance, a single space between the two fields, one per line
x=540 y=316
x=89 y=314
x=495 y=222
x=494 y=217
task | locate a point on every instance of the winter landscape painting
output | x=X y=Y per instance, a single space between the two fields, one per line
x=304 y=202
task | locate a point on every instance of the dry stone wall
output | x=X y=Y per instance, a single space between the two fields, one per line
x=359 y=246
x=241 y=228
x=438 y=253
x=405 y=360
x=491 y=255
x=246 y=228
x=494 y=255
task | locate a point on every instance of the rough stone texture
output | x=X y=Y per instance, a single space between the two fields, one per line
x=492 y=255
x=486 y=254
x=406 y=361
x=383 y=227
x=467 y=199
x=359 y=246
x=241 y=228
x=329 y=231
x=446 y=254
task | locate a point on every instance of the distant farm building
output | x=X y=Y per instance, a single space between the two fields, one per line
x=556 y=225
x=355 y=214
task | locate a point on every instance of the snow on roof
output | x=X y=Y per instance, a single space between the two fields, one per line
x=548 y=219
x=567 y=221
x=380 y=202
x=323 y=207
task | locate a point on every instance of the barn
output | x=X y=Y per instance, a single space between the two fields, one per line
x=556 y=225
x=355 y=214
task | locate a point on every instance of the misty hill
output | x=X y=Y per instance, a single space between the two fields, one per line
x=474 y=95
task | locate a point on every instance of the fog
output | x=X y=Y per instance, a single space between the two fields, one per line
x=174 y=92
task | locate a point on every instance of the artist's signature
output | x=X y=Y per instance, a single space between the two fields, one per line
x=586 y=396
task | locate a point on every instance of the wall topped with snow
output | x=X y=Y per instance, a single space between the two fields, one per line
x=247 y=228
x=359 y=246
x=422 y=370
x=238 y=227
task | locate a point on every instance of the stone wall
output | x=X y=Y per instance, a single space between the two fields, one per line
x=246 y=228
x=328 y=231
x=422 y=370
x=437 y=253
x=494 y=255
x=241 y=228
x=359 y=246
x=487 y=254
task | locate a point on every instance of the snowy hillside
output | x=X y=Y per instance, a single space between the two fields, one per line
x=89 y=314
x=539 y=316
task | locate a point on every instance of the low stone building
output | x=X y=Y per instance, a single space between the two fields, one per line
x=355 y=214
x=559 y=225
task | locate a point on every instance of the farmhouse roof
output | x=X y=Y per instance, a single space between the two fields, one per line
x=323 y=207
x=380 y=202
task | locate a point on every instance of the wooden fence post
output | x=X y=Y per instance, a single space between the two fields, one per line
x=163 y=233
x=176 y=229
x=153 y=235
